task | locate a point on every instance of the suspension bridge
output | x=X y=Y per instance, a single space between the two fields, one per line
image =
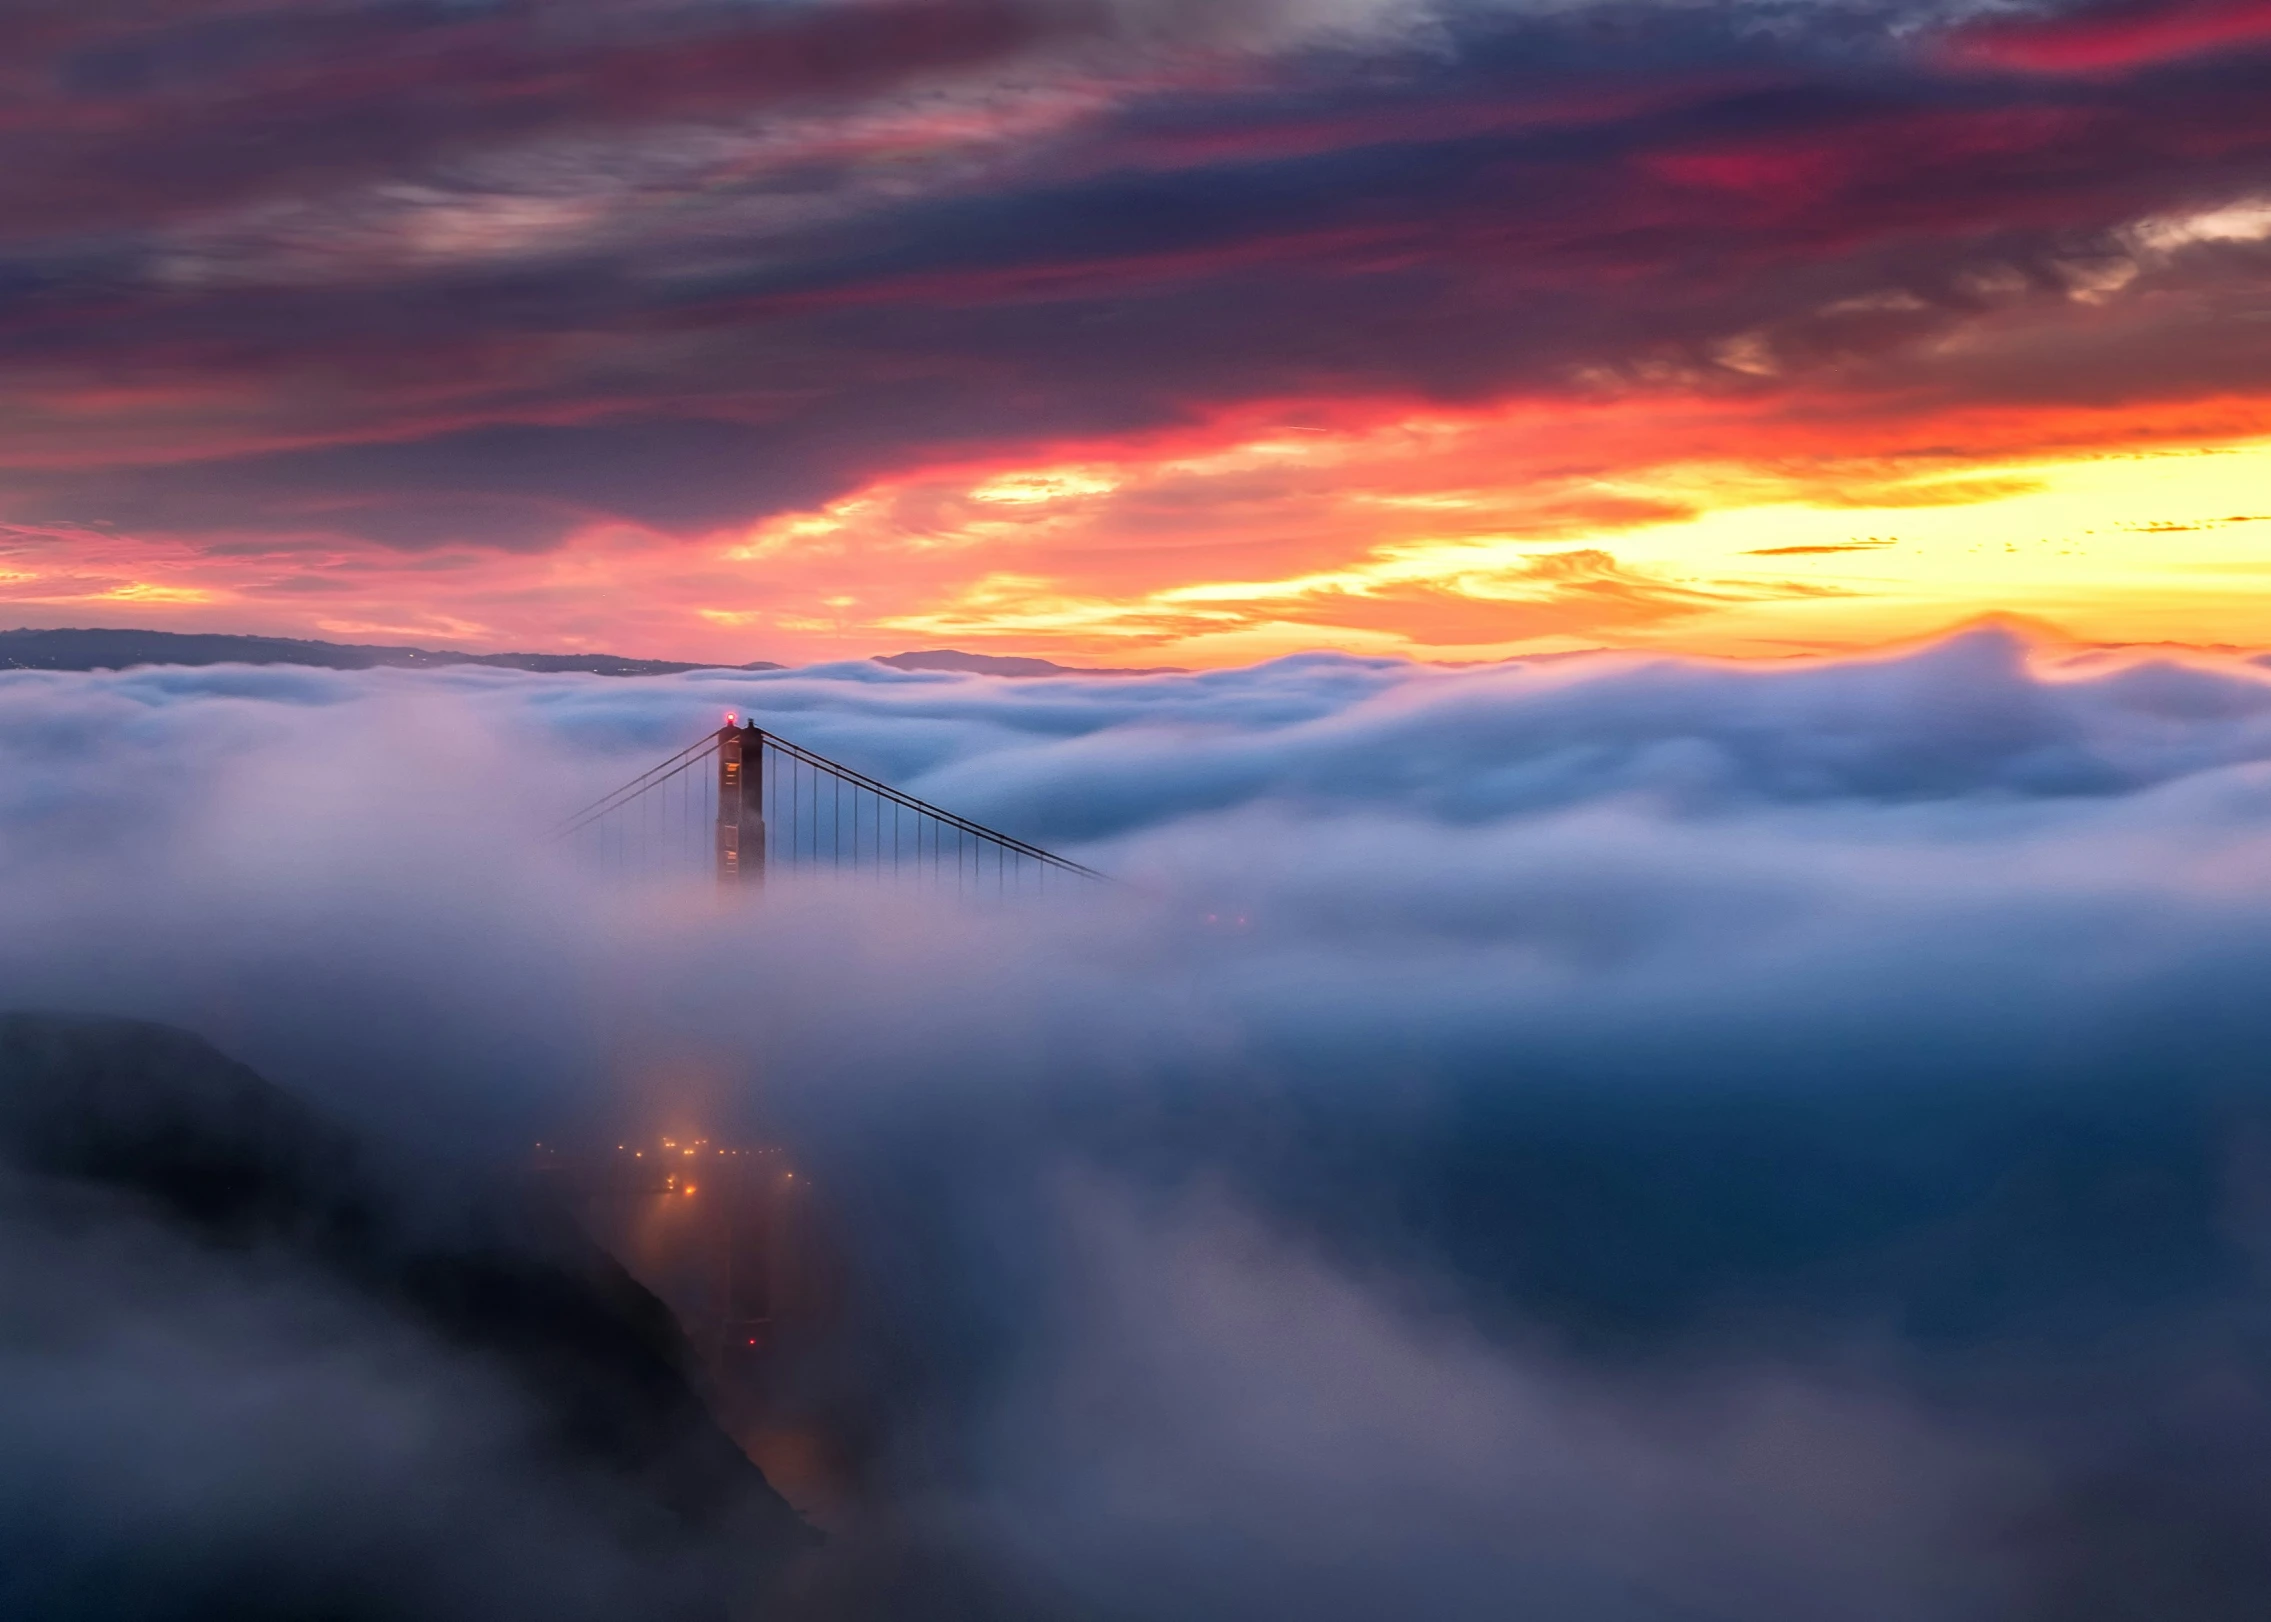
x=743 y=803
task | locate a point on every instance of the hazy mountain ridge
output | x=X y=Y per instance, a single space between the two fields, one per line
x=995 y=664
x=96 y=648
x=106 y=649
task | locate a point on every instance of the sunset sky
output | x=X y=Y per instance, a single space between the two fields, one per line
x=1135 y=331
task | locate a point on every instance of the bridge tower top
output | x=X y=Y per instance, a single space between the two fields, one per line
x=741 y=804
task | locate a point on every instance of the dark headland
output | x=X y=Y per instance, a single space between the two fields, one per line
x=328 y=1382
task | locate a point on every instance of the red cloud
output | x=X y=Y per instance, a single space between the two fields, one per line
x=2103 y=38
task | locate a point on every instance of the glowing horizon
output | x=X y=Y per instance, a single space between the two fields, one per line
x=2143 y=545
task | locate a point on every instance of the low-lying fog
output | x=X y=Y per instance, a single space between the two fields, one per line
x=1605 y=1139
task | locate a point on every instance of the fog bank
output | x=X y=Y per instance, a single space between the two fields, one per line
x=1604 y=1137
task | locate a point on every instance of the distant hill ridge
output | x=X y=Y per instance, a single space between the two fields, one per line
x=121 y=650
x=101 y=649
x=996 y=664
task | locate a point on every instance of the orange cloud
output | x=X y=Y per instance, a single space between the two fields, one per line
x=1703 y=517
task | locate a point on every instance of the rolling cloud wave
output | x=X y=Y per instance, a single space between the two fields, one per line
x=1607 y=1137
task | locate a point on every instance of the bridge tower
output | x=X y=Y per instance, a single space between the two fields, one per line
x=741 y=804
